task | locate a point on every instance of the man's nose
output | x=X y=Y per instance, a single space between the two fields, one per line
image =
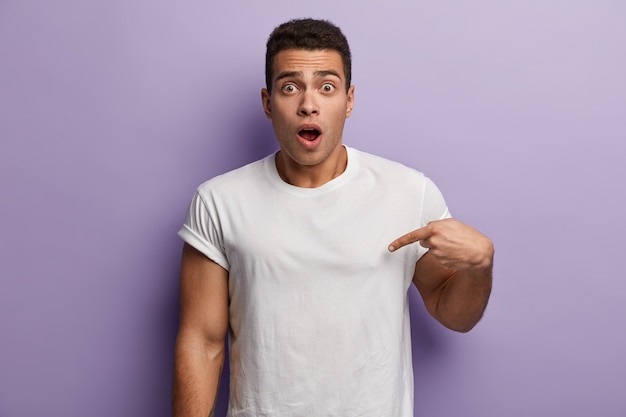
x=308 y=105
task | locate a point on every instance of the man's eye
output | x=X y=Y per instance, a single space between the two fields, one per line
x=328 y=88
x=289 y=88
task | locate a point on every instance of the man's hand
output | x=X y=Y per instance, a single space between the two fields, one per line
x=453 y=244
x=454 y=277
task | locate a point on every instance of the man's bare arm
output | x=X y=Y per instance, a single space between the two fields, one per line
x=199 y=354
x=454 y=278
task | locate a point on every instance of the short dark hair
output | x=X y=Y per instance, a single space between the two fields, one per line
x=311 y=35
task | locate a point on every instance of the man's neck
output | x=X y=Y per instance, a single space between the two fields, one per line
x=311 y=176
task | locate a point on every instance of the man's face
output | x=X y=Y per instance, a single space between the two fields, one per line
x=308 y=105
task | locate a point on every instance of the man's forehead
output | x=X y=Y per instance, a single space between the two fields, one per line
x=308 y=60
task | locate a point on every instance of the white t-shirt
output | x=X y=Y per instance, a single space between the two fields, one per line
x=319 y=317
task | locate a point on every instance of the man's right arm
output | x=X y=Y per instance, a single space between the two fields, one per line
x=199 y=355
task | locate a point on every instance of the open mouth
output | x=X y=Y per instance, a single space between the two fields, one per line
x=309 y=134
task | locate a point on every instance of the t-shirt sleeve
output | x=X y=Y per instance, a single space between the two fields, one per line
x=433 y=208
x=434 y=205
x=202 y=231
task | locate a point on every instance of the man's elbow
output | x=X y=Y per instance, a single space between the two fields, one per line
x=460 y=324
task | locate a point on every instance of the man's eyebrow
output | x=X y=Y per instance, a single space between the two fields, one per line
x=289 y=74
x=326 y=73
x=298 y=74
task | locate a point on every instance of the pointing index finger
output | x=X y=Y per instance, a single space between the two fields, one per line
x=411 y=237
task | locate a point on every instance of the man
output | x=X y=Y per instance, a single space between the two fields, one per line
x=304 y=260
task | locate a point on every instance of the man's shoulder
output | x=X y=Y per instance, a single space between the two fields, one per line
x=249 y=175
x=388 y=167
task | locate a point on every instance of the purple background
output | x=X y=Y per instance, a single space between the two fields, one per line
x=111 y=113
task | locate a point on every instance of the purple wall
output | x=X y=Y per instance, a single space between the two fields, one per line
x=111 y=113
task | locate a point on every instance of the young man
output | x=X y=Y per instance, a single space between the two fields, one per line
x=304 y=260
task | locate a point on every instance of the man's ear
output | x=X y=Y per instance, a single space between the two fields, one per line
x=267 y=107
x=350 y=101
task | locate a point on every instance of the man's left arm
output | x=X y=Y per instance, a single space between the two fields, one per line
x=454 y=277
